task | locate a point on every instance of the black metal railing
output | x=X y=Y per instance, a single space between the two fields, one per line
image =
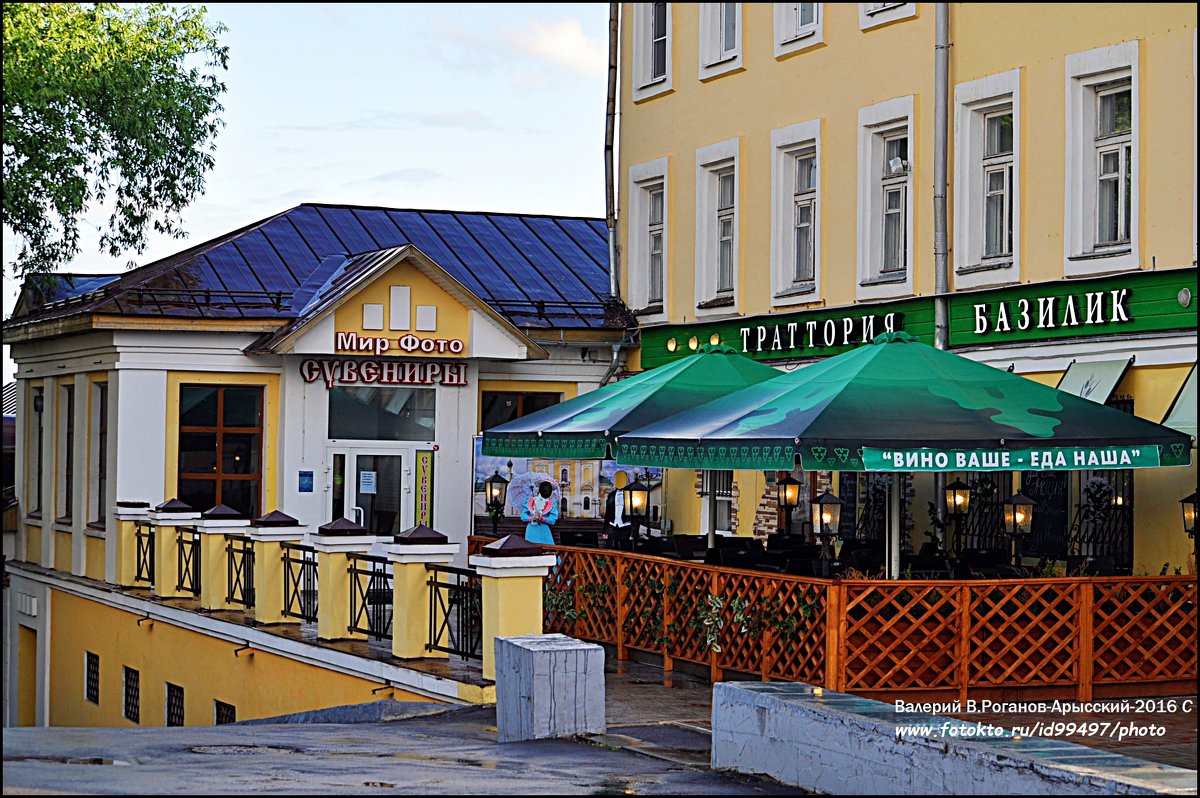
x=370 y=596
x=455 y=611
x=299 y=582
x=239 y=569
x=144 y=553
x=187 y=553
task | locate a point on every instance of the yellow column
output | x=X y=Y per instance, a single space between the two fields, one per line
x=333 y=583
x=512 y=599
x=410 y=610
x=166 y=563
x=214 y=568
x=268 y=572
x=125 y=521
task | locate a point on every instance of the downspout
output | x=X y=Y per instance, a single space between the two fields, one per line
x=610 y=211
x=614 y=290
x=941 y=266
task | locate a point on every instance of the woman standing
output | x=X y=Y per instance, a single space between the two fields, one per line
x=540 y=510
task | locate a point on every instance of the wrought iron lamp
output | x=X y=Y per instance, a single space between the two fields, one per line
x=637 y=499
x=958 y=500
x=495 y=490
x=826 y=514
x=1189 y=515
x=789 y=499
x=1018 y=521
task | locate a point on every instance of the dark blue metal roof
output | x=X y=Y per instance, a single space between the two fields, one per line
x=538 y=271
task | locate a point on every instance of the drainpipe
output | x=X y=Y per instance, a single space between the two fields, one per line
x=941 y=95
x=612 y=368
x=609 y=131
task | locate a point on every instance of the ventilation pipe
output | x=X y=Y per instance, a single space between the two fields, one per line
x=941 y=266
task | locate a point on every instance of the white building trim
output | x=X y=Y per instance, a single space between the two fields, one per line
x=786 y=142
x=873 y=15
x=643 y=177
x=793 y=37
x=714 y=59
x=710 y=160
x=1084 y=73
x=874 y=123
x=972 y=100
x=644 y=84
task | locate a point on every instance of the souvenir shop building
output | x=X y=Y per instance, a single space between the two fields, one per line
x=328 y=362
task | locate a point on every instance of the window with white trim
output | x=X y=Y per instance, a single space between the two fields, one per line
x=726 y=219
x=797 y=26
x=1114 y=163
x=795 y=213
x=648 y=255
x=716 y=226
x=654 y=234
x=720 y=38
x=987 y=180
x=885 y=224
x=652 y=49
x=36 y=439
x=65 y=483
x=98 y=481
x=894 y=184
x=1101 y=225
x=997 y=185
x=872 y=15
x=717 y=487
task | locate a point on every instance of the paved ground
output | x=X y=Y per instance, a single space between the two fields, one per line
x=657 y=743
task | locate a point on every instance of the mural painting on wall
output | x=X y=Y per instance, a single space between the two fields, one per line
x=583 y=484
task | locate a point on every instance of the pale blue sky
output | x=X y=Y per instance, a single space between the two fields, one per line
x=474 y=107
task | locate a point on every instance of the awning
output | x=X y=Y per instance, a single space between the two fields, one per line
x=858 y=410
x=1094 y=380
x=585 y=426
x=1182 y=415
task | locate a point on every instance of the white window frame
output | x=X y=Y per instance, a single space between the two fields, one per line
x=873 y=15
x=64 y=488
x=96 y=502
x=642 y=177
x=645 y=84
x=876 y=124
x=708 y=507
x=973 y=102
x=715 y=58
x=1087 y=72
x=793 y=37
x=710 y=162
x=786 y=144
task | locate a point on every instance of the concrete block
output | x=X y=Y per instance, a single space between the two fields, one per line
x=548 y=686
x=837 y=743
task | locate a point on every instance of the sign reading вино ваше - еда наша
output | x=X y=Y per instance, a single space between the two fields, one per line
x=1064 y=458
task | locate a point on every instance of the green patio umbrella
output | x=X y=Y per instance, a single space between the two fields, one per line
x=585 y=427
x=900 y=405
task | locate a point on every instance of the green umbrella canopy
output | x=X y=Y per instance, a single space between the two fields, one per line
x=584 y=426
x=862 y=409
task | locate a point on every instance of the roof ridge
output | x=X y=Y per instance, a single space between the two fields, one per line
x=348 y=206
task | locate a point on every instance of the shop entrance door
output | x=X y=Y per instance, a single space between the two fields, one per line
x=373 y=487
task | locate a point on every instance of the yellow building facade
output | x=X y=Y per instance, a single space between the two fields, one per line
x=777 y=166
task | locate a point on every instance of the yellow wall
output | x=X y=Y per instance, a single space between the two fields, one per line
x=33 y=544
x=453 y=318
x=854 y=69
x=95 y=558
x=270 y=442
x=258 y=685
x=62 y=551
x=27 y=640
x=683 y=506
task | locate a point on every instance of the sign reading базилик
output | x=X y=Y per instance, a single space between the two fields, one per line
x=1045 y=459
x=1139 y=302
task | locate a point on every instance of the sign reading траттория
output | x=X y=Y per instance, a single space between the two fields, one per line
x=1047 y=459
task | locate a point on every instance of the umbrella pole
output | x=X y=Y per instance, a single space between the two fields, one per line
x=893 y=532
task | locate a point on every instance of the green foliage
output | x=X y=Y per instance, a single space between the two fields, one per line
x=708 y=615
x=104 y=102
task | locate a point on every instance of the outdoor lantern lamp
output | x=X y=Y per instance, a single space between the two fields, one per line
x=1018 y=520
x=826 y=514
x=1189 y=515
x=637 y=499
x=495 y=489
x=958 y=499
x=789 y=499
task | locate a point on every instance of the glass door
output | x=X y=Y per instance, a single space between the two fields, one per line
x=373 y=487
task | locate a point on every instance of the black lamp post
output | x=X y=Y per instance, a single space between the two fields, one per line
x=789 y=499
x=1018 y=520
x=826 y=513
x=958 y=499
x=495 y=490
x=637 y=499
